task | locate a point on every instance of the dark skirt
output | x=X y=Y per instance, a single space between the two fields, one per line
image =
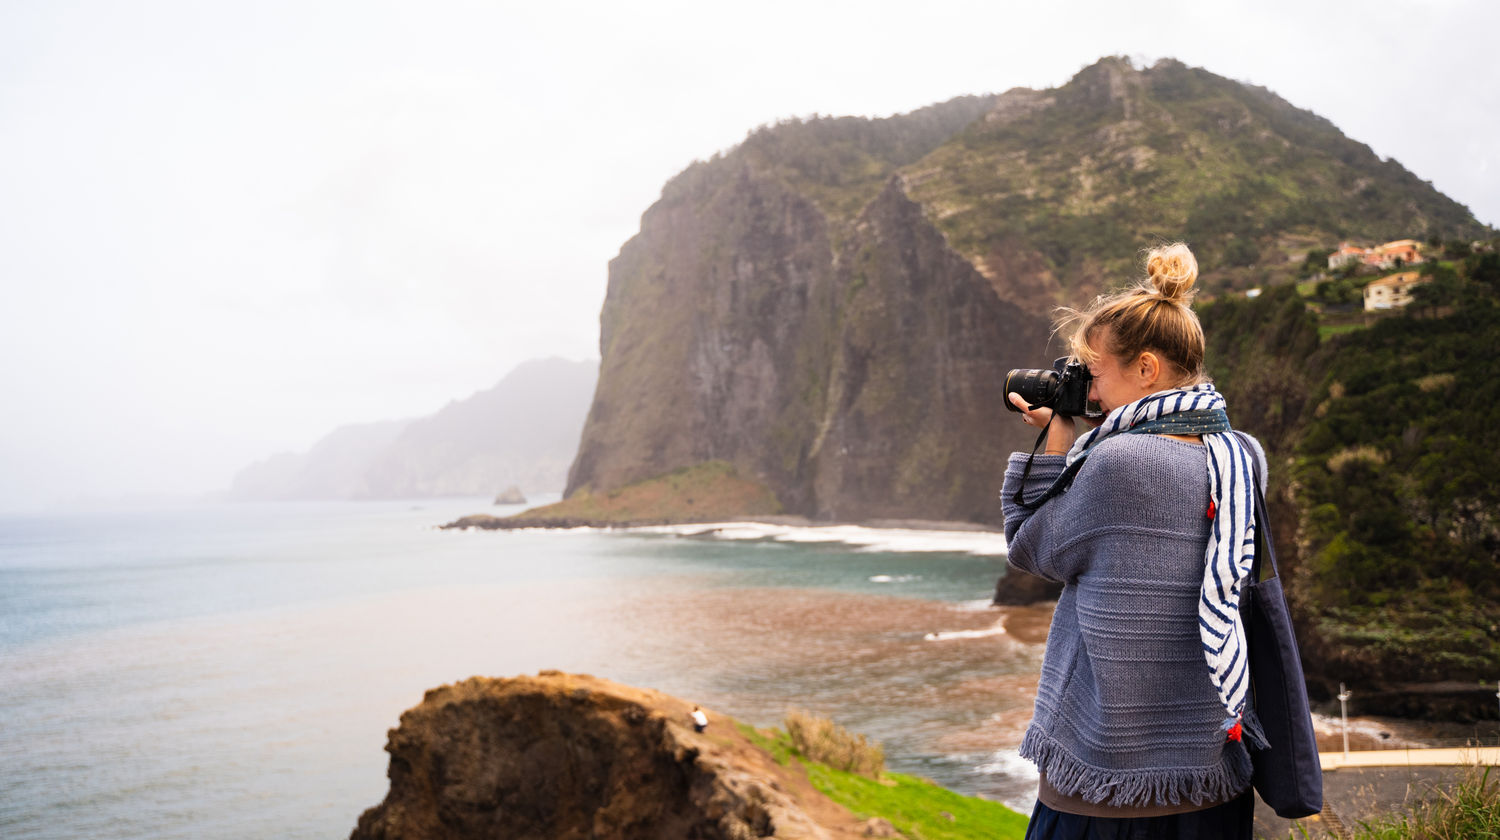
x=1234 y=820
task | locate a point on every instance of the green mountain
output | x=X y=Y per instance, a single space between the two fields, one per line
x=831 y=306
x=1071 y=183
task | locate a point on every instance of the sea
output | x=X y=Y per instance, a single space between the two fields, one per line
x=231 y=670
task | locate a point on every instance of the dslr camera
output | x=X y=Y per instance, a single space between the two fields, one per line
x=1064 y=388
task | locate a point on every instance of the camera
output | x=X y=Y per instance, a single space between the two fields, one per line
x=1064 y=388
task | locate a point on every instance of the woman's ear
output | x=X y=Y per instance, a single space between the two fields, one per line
x=1148 y=368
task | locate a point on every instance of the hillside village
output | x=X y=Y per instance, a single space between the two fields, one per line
x=1352 y=284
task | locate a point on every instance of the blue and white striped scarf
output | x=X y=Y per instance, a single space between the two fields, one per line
x=1231 y=540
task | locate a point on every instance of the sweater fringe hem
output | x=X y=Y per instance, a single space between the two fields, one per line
x=1138 y=787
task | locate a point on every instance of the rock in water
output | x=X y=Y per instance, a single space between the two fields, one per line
x=511 y=495
x=571 y=756
x=1016 y=588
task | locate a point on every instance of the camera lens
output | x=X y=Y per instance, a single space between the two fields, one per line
x=1036 y=386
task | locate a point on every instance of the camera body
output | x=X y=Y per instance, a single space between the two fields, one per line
x=1064 y=388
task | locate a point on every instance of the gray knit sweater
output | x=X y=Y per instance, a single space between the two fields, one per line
x=1125 y=712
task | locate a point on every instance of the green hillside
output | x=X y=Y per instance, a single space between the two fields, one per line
x=1087 y=174
x=1385 y=454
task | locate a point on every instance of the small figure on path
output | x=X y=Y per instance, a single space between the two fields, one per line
x=700 y=720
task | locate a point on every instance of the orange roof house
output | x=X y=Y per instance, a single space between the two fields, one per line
x=1399 y=252
x=1390 y=255
x=1345 y=254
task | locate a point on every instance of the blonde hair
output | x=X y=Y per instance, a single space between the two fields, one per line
x=1155 y=314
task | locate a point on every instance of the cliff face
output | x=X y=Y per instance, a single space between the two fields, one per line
x=712 y=336
x=523 y=431
x=913 y=419
x=563 y=756
x=832 y=306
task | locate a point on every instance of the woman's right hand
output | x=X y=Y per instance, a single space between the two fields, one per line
x=1060 y=434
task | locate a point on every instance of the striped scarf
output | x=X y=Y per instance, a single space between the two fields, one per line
x=1231 y=540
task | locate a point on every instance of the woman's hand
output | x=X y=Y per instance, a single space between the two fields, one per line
x=1060 y=434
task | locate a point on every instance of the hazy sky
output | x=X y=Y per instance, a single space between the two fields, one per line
x=226 y=228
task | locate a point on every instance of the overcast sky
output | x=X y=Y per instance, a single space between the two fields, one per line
x=226 y=228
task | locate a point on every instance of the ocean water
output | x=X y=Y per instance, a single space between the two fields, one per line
x=232 y=670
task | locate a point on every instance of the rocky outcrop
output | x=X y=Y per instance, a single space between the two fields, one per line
x=714 y=336
x=511 y=495
x=561 y=756
x=855 y=388
x=1016 y=588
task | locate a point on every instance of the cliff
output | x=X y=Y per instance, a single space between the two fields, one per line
x=831 y=306
x=522 y=431
x=562 y=756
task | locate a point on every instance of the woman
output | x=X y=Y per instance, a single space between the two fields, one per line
x=1141 y=708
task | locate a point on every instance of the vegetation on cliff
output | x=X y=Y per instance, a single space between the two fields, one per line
x=1385 y=456
x=1090 y=172
x=707 y=492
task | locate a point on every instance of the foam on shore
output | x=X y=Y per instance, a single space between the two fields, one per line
x=862 y=538
x=997 y=629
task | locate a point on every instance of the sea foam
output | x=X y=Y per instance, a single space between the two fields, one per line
x=858 y=536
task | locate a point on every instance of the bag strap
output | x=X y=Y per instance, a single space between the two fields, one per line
x=1265 y=546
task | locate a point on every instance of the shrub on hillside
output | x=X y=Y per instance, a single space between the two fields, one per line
x=822 y=740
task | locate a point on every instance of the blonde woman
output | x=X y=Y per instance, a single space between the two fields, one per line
x=1148 y=521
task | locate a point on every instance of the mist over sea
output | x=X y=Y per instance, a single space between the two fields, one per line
x=231 y=670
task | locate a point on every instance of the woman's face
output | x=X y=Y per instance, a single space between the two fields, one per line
x=1117 y=382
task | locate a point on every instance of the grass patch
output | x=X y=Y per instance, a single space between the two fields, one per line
x=1470 y=810
x=780 y=748
x=916 y=807
x=1327 y=331
x=701 y=492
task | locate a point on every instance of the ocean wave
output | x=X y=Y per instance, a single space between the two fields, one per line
x=894 y=578
x=858 y=536
x=1010 y=765
x=975 y=605
x=997 y=629
x=1372 y=729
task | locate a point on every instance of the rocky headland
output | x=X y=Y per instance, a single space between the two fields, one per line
x=561 y=756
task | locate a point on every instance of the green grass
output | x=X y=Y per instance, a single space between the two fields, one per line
x=701 y=492
x=919 y=809
x=1327 y=331
x=1469 y=811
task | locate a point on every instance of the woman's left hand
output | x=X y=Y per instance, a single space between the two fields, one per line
x=1061 y=432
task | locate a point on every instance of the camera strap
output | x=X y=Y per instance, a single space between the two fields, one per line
x=1061 y=484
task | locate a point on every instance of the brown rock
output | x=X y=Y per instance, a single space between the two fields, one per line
x=571 y=756
x=1019 y=589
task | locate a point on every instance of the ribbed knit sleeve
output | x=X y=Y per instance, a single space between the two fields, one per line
x=1044 y=470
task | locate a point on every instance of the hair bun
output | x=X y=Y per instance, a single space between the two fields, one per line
x=1173 y=270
